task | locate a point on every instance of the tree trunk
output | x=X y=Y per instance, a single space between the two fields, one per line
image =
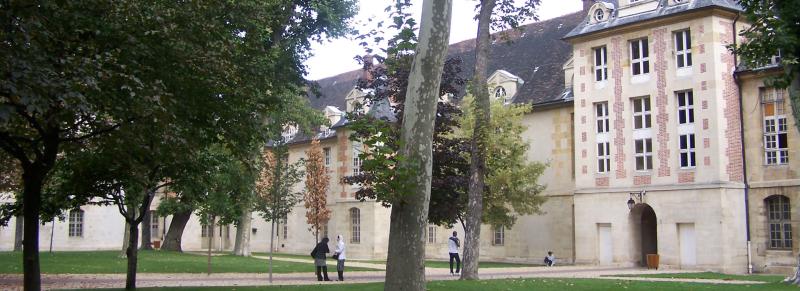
x=242 y=246
x=405 y=268
x=19 y=225
x=478 y=145
x=172 y=241
x=147 y=241
x=210 y=240
x=132 y=252
x=271 y=246
x=31 y=203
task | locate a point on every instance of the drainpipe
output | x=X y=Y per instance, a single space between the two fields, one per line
x=744 y=157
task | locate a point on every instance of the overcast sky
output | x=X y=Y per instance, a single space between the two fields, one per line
x=335 y=57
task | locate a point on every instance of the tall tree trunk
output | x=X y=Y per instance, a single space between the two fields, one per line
x=147 y=241
x=132 y=252
x=33 y=179
x=405 y=268
x=126 y=239
x=478 y=145
x=210 y=240
x=242 y=246
x=18 y=231
x=172 y=241
x=271 y=246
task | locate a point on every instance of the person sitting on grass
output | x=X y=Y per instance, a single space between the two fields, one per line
x=319 y=254
x=550 y=259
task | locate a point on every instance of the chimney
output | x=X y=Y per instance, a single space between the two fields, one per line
x=587 y=4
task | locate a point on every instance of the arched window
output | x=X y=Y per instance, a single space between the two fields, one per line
x=76 y=223
x=779 y=220
x=500 y=93
x=599 y=15
x=355 y=225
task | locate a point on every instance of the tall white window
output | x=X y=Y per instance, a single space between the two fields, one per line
x=641 y=113
x=683 y=48
x=685 y=107
x=603 y=157
x=355 y=225
x=600 y=63
x=327 y=152
x=499 y=238
x=779 y=216
x=356 y=158
x=601 y=111
x=643 y=154
x=431 y=234
x=154 y=223
x=640 y=57
x=207 y=229
x=776 y=144
x=687 y=150
x=285 y=228
x=76 y=223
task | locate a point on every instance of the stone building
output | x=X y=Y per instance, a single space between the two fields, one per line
x=656 y=144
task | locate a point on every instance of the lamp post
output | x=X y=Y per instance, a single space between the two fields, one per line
x=636 y=198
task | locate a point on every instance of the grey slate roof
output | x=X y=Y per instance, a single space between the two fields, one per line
x=663 y=10
x=535 y=53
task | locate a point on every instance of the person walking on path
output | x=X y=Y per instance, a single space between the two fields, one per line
x=319 y=254
x=340 y=256
x=452 y=245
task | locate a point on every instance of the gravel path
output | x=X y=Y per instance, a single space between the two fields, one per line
x=89 y=281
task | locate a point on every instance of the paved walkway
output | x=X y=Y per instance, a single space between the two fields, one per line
x=89 y=281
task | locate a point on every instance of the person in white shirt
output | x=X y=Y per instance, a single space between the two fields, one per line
x=340 y=260
x=452 y=246
x=550 y=259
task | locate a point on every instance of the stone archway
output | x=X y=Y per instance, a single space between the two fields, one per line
x=644 y=226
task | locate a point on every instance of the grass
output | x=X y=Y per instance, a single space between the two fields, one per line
x=523 y=284
x=712 y=275
x=108 y=262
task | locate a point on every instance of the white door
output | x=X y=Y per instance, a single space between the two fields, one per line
x=687 y=243
x=605 y=244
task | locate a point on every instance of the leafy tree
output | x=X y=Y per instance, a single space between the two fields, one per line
x=316 y=194
x=512 y=182
x=276 y=194
x=774 y=29
x=497 y=14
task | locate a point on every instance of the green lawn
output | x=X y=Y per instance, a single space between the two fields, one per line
x=107 y=262
x=712 y=275
x=527 y=284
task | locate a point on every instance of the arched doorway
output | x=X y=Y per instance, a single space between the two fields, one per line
x=644 y=232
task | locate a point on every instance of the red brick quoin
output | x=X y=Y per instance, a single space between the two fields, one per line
x=662 y=118
x=730 y=96
x=641 y=180
x=601 y=182
x=686 y=177
x=618 y=106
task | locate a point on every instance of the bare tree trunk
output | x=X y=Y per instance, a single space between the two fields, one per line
x=478 y=145
x=271 y=246
x=405 y=269
x=126 y=238
x=210 y=239
x=147 y=241
x=32 y=201
x=242 y=245
x=172 y=241
x=132 y=252
x=18 y=231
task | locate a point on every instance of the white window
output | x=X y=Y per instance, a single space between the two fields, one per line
x=685 y=107
x=644 y=154
x=207 y=229
x=500 y=93
x=285 y=228
x=356 y=158
x=499 y=238
x=355 y=225
x=327 y=152
x=640 y=57
x=687 y=147
x=601 y=111
x=431 y=234
x=600 y=64
x=641 y=113
x=599 y=15
x=683 y=48
x=603 y=157
x=154 y=225
x=76 y=223
x=776 y=143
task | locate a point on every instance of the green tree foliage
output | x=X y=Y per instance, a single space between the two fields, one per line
x=512 y=182
x=774 y=27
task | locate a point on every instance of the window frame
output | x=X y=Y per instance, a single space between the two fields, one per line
x=683 y=48
x=642 y=112
x=155 y=224
x=326 y=152
x=75 y=227
x=774 y=126
x=602 y=120
x=642 y=62
x=600 y=58
x=498 y=236
x=430 y=235
x=687 y=156
x=355 y=225
x=646 y=154
x=357 y=162
x=779 y=223
x=603 y=157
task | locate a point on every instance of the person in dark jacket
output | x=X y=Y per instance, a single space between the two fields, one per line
x=319 y=253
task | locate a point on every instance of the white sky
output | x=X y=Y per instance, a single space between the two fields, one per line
x=335 y=57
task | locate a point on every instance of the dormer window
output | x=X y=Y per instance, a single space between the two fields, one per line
x=500 y=93
x=599 y=15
